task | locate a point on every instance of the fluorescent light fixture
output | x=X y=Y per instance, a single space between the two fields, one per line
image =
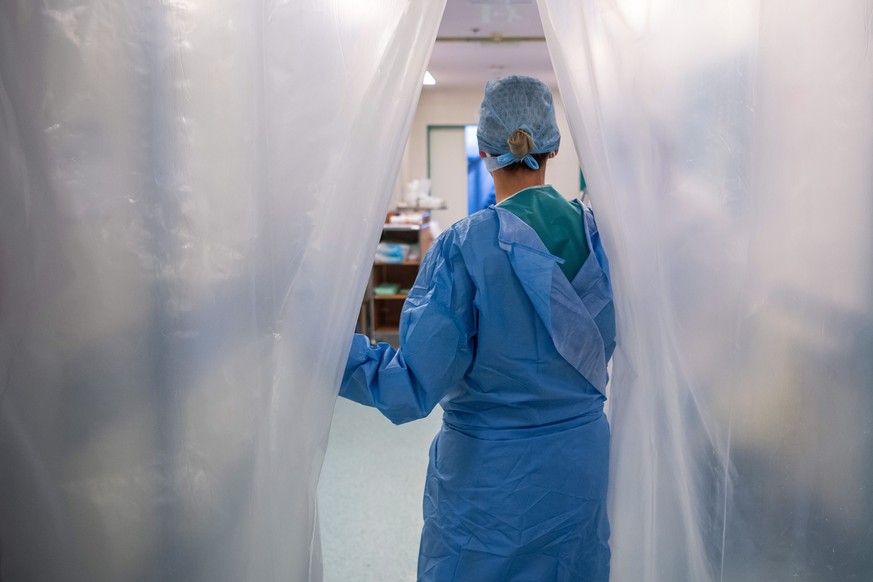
x=428 y=79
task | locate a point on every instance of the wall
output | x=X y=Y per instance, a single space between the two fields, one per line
x=458 y=106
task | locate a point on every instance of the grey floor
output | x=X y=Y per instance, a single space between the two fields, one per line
x=369 y=495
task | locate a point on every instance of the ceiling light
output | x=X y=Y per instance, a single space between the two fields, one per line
x=428 y=79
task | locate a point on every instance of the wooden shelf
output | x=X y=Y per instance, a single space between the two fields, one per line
x=406 y=227
x=387 y=329
x=383 y=311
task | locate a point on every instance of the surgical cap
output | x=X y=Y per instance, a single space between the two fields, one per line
x=514 y=103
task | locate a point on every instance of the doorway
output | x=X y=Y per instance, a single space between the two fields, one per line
x=480 y=184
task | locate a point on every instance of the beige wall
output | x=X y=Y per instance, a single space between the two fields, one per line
x=461 y=107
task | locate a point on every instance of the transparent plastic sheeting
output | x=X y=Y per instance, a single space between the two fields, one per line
x=191 y=196
x=728 y=148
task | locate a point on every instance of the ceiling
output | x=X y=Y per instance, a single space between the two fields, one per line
x=458 y=60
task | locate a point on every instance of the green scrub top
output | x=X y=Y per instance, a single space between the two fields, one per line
x=556 y=221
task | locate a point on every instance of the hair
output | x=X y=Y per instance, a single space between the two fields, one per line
x=520 y=144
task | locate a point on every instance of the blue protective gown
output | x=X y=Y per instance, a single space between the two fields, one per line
x=516 y=355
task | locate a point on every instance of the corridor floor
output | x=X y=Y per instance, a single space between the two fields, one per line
x=369 y=495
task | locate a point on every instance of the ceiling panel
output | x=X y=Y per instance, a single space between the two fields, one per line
x=466 y=63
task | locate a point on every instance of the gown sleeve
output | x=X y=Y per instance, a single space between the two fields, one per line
x=605 y=320
x=437 y=337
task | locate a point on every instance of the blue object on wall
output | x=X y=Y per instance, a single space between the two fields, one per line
x=480 y=185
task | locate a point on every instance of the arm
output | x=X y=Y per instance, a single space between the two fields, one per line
x=437 y=335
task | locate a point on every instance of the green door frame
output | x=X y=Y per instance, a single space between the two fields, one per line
x=431 y=128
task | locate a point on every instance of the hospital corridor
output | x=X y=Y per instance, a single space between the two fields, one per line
x=436 y=291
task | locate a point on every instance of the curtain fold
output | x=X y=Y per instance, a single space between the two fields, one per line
x=191 y=196
x=726 y=147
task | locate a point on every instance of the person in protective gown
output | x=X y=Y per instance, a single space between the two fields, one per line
x=509 y=326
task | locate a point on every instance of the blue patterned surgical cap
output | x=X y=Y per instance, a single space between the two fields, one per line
x=513 y=103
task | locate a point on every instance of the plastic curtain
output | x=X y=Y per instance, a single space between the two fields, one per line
x=191 y=195
x=727 y=148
